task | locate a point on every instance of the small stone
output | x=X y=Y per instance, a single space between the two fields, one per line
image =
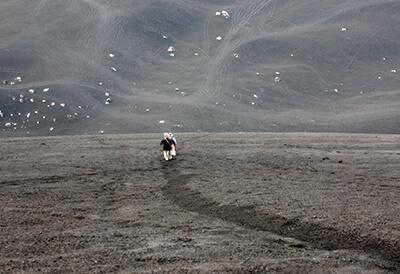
x=219 y=38
x=113 y=68
x=111 y=55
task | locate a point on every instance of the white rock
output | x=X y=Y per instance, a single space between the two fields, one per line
x=218 y=13
x=172 y=54
x=343 y=29
x=80 y=107
x=31 y=91
x=12 y=83
x=255 y=96
x=277 y=79
x=1 y=114
x=379 y=77
x=32 y=100
x=176 y=89
x=101 y=131
x=336 y=90
x=171 y=49
x=236 y=55
x=53 y=104
x=43 y=101
x=36 y=112
x=51 y=129
x=62 y=105
x=277 y=73
x=257 y=73
x=8 y=124
x=161 y=122
x=219 y=38
x=46 y=89
x=111 y=55
x=253 y=103
x=87 y=116
x=18 y=79
x=28 y=115
x=164 y=37
x=393 y=71
x=107 y=94
x=113 y=68
x=21 y=100
x=196 y=54
x=147 y=109
x=101 y=84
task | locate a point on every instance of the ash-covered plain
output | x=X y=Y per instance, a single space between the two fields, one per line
x=99 y=66
x=240 y=203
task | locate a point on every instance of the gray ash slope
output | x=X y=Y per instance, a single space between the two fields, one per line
x=268 y=65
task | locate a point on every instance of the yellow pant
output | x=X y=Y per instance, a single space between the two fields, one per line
x=167 y=155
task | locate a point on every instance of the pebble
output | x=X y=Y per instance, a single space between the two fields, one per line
x=219 y=38
x=111 y=55
x=113 y=68
x=46 y=89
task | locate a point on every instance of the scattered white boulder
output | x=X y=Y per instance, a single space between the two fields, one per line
x=101 y=84
x=171 y=49
x=219 y=38
x=147 y=110
x=255 y=95
x=236 y=55
x=277 y=79
x=32 y=100
x=111 y=55
x=223 y=13
x=164 y=37
x=62 y=105
x=113 y=69
x=31 y=91
x=196 y=54
x=172 y=54
x=1 y=114
x=393 y=71
x=18 y=79
x=161 y=122
x=46 y=89
x=51 y=129
x=107 y=94
x=343 y=29
x=8 y=124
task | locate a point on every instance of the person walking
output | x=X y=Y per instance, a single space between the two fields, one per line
x=173 y=140
x=166 y=144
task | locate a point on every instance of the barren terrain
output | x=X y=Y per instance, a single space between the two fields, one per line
x=230 y=203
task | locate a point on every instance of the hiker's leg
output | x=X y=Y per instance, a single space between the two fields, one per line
x=173 y=151
x=166 y=155
x=170 y=154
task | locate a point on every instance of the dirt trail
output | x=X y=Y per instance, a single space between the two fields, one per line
x=321 y=237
